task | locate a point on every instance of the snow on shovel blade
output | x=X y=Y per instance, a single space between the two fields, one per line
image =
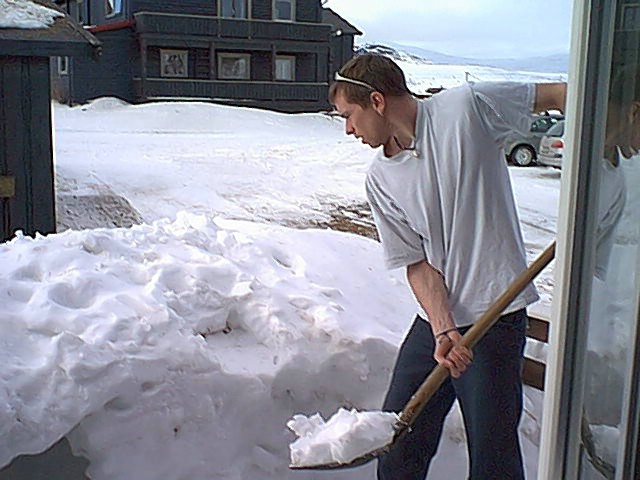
x=348 y=439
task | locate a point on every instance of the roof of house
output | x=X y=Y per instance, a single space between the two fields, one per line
x=65 y=37
x=338 y=23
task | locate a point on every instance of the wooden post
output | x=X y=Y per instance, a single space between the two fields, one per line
x=212 y=61
x=273 y=71
x=143 y=69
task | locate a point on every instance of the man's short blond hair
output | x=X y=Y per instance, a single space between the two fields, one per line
x=377 y=71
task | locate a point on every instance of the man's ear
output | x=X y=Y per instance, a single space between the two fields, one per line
x=378 y=102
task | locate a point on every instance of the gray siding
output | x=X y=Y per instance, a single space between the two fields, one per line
x=261 y=9
x=308 y=11
x=189 y=7
x=112 y=73
x=306 y=67
x=341 y=51
x=261 y=66
x=25 y=146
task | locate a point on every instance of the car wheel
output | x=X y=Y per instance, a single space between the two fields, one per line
x=522 y=155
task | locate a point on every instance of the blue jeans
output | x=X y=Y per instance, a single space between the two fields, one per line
x=490 y=397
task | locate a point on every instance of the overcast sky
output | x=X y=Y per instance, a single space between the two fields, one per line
x=472 y=28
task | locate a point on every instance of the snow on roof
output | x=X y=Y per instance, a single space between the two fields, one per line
x=26 y=14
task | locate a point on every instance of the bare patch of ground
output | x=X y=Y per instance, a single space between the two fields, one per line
x=78 y=212
x=352 y=218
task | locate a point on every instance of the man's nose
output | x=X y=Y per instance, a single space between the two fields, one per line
x=349 y=128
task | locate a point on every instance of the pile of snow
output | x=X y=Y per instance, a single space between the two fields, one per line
x=190 y=343
x=26 y=14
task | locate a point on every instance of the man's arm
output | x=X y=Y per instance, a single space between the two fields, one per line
x=430 y=290
x=550 y=96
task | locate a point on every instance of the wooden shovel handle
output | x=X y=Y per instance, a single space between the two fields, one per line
x=439 y=374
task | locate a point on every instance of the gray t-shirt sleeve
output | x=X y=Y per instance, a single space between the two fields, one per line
x=505 y=106
x=611 y=202
x=401 y=244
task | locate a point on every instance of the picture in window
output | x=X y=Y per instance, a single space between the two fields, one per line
x=232 y=66
x=174 y=63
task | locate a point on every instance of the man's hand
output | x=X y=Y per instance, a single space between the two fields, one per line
x=449 y=353
x=430 y=290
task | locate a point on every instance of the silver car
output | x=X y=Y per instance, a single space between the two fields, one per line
x=551 y=146
x=523 y=150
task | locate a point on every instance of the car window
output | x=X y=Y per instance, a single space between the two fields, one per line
x=557 y=130
x=543 y=124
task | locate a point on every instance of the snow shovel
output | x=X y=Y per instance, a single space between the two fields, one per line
x=439 y=374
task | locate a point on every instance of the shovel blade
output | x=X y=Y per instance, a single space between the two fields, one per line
x=400 y=428
x=356 y=462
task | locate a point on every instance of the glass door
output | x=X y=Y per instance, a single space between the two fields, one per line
x=590 y=427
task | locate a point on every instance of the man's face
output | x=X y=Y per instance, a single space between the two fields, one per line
x=623 y=127
x=366 y=124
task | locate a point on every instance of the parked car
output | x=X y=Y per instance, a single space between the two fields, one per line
x=523 y=150
x=551 y=146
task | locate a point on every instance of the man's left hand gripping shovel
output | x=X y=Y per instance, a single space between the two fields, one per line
x=439 y=374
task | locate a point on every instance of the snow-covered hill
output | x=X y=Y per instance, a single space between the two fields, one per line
x=425 y=69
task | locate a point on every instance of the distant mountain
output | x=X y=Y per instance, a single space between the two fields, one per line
x=545 y=64
x=427 y=72
x=393 y=53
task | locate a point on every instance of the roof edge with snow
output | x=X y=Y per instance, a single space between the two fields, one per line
x=65 y=37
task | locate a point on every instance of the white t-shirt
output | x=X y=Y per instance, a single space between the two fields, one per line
x=611 y=200
x=450 y=201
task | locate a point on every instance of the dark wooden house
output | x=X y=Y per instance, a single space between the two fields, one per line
x=342 y=39
x=26 y=156
x=273 y=54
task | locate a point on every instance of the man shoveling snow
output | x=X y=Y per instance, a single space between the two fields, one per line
x=441 y=197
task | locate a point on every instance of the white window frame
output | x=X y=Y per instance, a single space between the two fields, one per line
x=247 y=6
x=288 y=58
x=117 y=8
x=228 y=55
x=63 y=66
x=274 y=11
x=166 y=56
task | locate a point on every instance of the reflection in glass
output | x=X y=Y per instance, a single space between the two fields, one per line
x=613 y=313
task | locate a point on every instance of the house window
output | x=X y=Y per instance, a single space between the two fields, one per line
x=234 y=8
x=285 y=68
x=83 y=12
x=174 y=63
x=284 y=10
x=112 y=7
x=63 y=65
x=234 y=66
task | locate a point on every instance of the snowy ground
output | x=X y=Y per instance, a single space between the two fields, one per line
x=179 y=348
x=241 y=163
